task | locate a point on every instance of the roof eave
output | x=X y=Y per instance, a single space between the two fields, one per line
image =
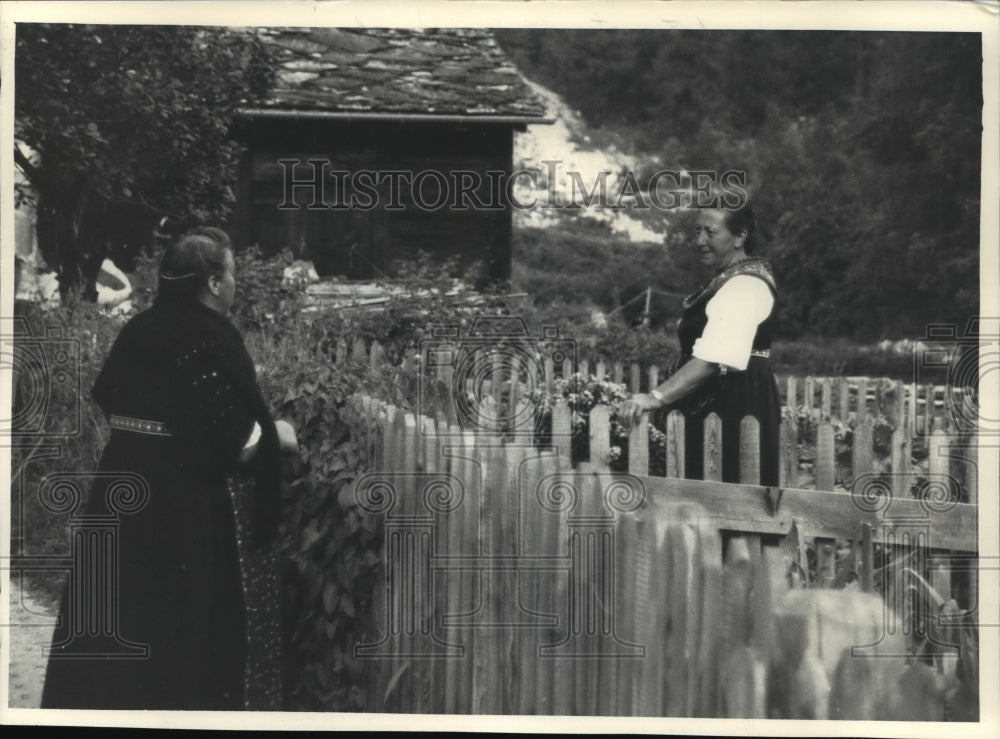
x=509 y=120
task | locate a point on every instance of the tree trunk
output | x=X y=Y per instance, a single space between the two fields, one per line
x=72 y=232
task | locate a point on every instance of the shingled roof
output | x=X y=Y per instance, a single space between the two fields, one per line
x=396 y=72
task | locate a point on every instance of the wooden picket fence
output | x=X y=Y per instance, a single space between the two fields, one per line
x=518 y=584
x=939 y=419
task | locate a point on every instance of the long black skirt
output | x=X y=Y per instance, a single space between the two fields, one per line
x=753 y=392
x=169 y=630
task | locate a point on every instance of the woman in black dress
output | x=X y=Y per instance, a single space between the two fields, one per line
x=725 y=335
x=180 y=394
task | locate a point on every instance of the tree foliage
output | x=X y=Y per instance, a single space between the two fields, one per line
x=126 y=119
x=862 y=153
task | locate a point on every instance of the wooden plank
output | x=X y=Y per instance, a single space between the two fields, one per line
x=938 y=461
x=429 y=674
x=567 y=368
x=788 y=470
x=626 y=678
x=939 y=568
x=496 y=378
x=809 y=396
x=509 y=671
x=488 y=689
x=550 y=374
x=826 y=407
x=900 y=460
x=750 y=451
x=861 y=401
x=825 y=457
x=600 y=437
x=562 y=669
x=791 y=399
x=650 y=610
x=550 y=545
x=818 y=513
x=405 y=597
x=635 y=378
x=862 y=449
x=358 y=352
x=654 y=377
x=713 y=448
x=618 y=372
x=472 y=587
x=638 y=447
x=737 y=581
x=377 y=355
x=562 y=429
x=600 y=371
x=683 y=608
x=867 y=562
x=675 y=444
x=843 y=392
x=451 y=581
x=970 y=470
x=826 y=561
x=707 y=667
x=584 y=370
x=585 y=593
x=930 y=408
x=911 y=408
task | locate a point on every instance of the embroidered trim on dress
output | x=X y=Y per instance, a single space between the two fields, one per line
x=749 y=266
x=139 y=426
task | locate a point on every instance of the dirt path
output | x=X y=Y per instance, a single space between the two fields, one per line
x=31 y=623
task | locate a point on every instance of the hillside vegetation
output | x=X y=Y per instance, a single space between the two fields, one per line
x=862 y=155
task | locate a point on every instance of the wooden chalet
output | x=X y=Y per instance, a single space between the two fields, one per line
x=381 y=100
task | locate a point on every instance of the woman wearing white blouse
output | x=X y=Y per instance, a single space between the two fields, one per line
x=725 y=335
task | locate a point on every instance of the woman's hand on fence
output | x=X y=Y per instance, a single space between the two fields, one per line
x=286 y=437
x=632 y=409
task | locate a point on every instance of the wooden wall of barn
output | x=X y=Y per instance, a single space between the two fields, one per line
x=362 y=244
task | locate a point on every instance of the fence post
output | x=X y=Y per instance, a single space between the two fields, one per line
x=567 y=368
x=358 y=353
x=600 y=437
x=867 y=554
x=550 y=372
x=792 y=398
x=827 y=399
x=618 y=373
x=900 y=460
x=562 y=430
x=930 y=408
x=601 y=370
x=675 y=444
x=911 y=409
x=862 y=402
x=843 y=399
x=862 y=450
x=788 y=470
x=654 y=377
x=809 y=396
x=635 y=378
x=584 y=370
x=825 y=453
x=826 y=560
x=638 y=447
x=713 y=448
x=375 y=360
x=970 y=469
x=750 y=451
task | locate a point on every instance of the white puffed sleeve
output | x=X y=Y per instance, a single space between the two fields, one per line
x=734 y=313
